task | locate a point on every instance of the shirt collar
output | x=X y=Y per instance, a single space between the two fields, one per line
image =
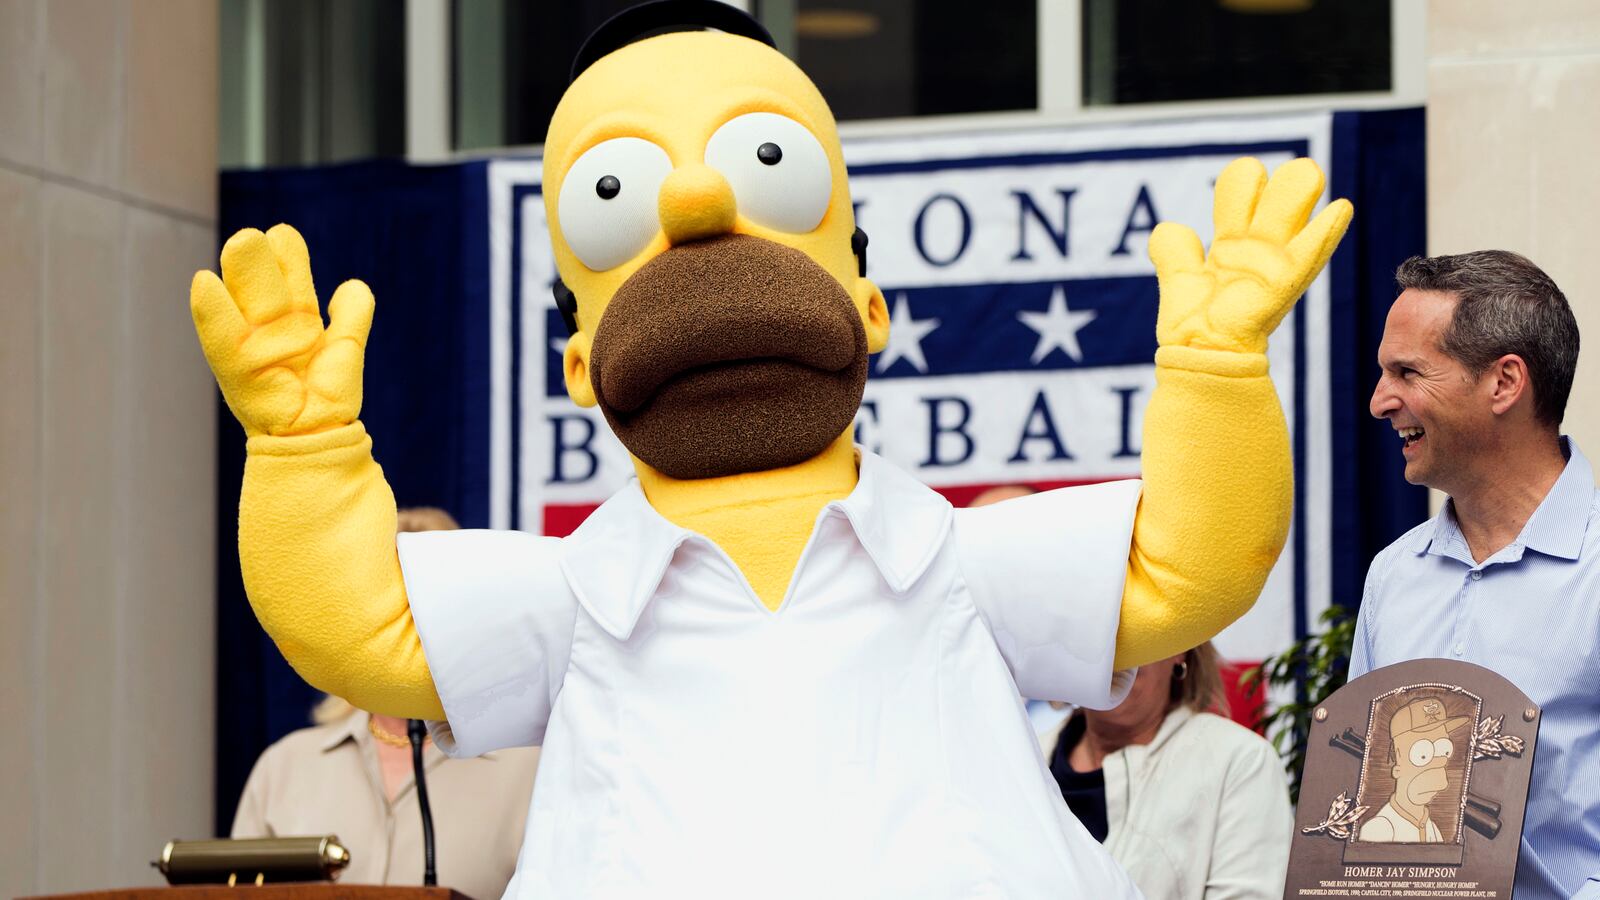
x=1556 y=528
x=616 y=559
x=349 y=728
x=354 y=728
x=1139 y=754
x=1444 y=534
x=1170 y=725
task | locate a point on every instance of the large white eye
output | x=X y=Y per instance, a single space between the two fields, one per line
x=779 y=172
x=1442 y=748
x=608 y=201
x=1421 y=753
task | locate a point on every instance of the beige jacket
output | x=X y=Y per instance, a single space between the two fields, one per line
x=325 y=780
x=1200 y=813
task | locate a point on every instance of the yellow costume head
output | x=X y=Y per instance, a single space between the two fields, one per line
x=701 y=221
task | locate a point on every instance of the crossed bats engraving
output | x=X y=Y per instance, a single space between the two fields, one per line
x=1482 y=814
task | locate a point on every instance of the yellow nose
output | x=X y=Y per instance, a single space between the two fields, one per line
x=696 y=203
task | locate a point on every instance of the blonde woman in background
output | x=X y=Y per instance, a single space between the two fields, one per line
x=351 y=775
x=1193 y=805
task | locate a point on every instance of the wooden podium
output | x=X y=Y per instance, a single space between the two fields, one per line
x=317 y=890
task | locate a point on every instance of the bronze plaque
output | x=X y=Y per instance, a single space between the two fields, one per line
x=1415 y=781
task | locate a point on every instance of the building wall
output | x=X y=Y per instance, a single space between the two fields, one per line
x=1513 y=124
x=107 y=535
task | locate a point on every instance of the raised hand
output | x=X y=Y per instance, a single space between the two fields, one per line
x=281 y=372
x=1261 y=260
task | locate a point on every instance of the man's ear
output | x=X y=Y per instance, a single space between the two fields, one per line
x=575 y=368
x=876 y=318
x=1508 y=383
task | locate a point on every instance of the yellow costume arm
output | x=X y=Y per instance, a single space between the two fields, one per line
x=1218 y=478
x=316 y=518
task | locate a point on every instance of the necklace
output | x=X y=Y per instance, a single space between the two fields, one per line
x=388 y=737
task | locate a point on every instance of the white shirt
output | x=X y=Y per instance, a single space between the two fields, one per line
x=1199 y=813
x=866 y=739
x=1388 y=825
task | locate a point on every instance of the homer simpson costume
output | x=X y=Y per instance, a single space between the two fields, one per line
x=772 y=665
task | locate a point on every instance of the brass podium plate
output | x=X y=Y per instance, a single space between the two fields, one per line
x=1415 y=782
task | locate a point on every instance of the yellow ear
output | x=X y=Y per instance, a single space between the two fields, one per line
x=876 y=317
x=575 y=367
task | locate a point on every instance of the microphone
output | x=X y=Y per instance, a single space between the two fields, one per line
x=419 y=732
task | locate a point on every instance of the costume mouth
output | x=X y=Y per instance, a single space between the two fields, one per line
x=735 y=354
x=697 y=310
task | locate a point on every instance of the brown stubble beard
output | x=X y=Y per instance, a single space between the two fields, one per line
x=726 y=356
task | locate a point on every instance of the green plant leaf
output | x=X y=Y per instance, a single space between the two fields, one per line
x=1314 y=666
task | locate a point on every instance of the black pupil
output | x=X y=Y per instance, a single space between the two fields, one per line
x=608 y=187
x=769 y=153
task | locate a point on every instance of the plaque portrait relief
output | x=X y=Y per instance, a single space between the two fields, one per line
x=1415 y=783
x=1416 y=766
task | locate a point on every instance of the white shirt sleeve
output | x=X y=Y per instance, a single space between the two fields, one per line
x=496 y=618
x=1254 y=827
x=1046 y=573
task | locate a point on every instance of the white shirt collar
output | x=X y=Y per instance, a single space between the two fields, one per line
x=616 y=559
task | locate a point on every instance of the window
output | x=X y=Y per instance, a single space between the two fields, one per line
x=890 y=58
x=1143 y=51
x=305 y=82
x=871 y=58
x=512 y=64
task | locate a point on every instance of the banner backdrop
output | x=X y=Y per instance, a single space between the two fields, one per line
x=1023 y=331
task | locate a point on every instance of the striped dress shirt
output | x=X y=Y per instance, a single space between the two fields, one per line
x=1530 y=612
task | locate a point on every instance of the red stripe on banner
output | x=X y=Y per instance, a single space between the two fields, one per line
x=562 y=519
x=961 y=495
x=1245 y=705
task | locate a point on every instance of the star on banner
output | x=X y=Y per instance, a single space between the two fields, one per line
x=905 y=337
x=1057 y=327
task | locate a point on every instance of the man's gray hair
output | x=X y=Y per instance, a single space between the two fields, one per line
x=1504 y=304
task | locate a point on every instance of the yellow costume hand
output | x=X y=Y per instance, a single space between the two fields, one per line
x=281 y=372
x=1218 y=478
x=1262 y=258
x=316 y=518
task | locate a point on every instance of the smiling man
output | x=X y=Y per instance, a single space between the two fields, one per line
x=1478 y=356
